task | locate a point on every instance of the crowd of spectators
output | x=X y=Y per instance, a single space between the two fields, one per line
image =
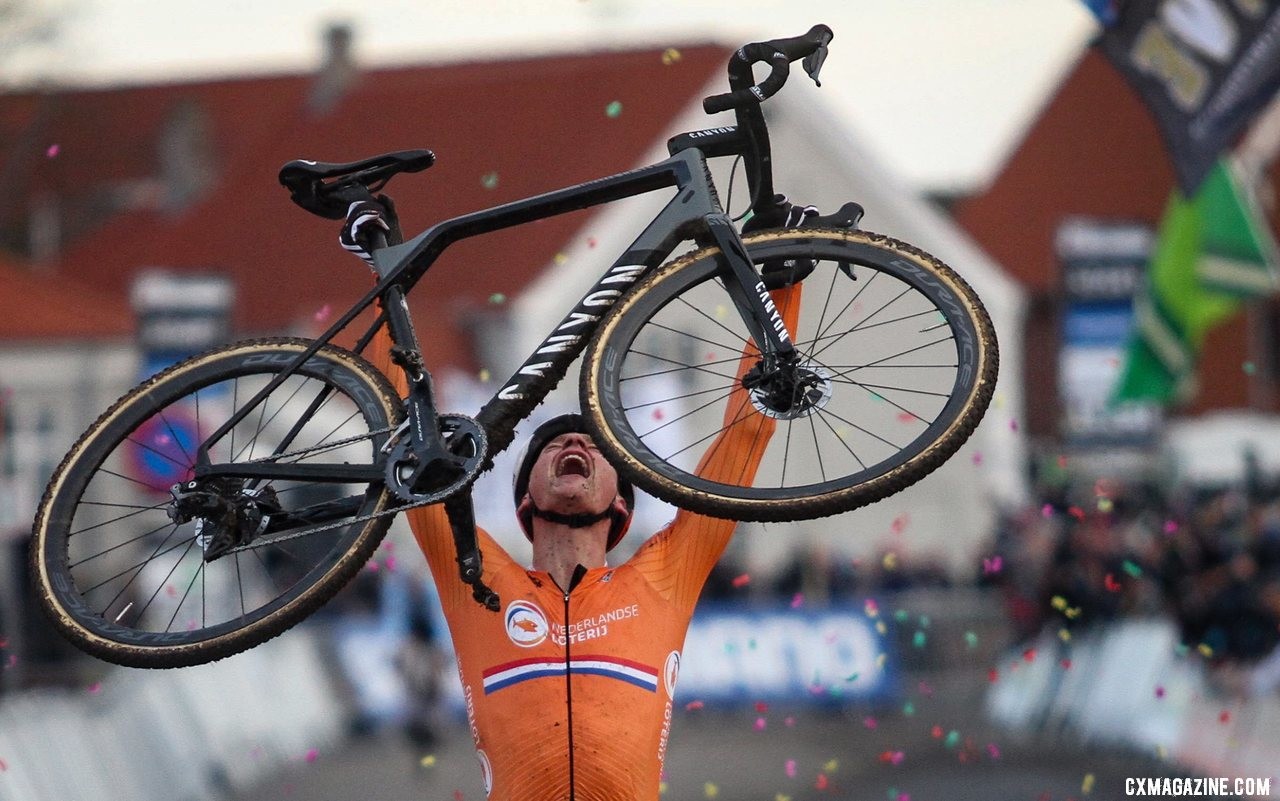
x=1208 y=558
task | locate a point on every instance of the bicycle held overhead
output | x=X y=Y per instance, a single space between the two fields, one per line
x=293 y=455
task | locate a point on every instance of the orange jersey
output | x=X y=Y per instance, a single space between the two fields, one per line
x=569 y=691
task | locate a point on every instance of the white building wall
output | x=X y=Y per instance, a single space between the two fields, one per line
x=949 y=516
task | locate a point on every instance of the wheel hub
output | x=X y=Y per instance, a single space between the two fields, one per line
x=789 y=392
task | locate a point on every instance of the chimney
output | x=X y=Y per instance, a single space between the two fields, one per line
x=186 y=157
x=337 y=72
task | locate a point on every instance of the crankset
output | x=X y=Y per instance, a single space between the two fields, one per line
x=467 y=447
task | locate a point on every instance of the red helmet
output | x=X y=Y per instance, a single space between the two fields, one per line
x=566 y=424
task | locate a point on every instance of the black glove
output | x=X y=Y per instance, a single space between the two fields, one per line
x=362 y=216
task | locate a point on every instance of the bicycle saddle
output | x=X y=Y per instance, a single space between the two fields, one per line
x=328 y=188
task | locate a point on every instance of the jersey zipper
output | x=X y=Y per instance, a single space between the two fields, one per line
x=578 y=573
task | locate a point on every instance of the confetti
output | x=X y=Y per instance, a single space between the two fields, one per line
x=760 y=724
x=919 y=639
x=992 y=675
x=797 y=600
x=822 y=781
x=892 y=757
x=1159 y=691
x=993 y=565
x=489 y=180
x=970 y=640
x=977 y=458
x=1205 y=650
x=4 y=642
x=560 y=258
x=1170 y=527
x=880 y=660
x=790 y=768
x=613 y=109
x=789 y=722
x=1076 y=512
x=591 y=242
x=936 y=732
x=900 y=523
x=908 y=709
x=428 y=761
x=1109 y=581
x=710 y=790
x=761 y=707
x=1064 y=635
x=781 y=797
x=693 y=706
x=322 y=313
x=871 y=607
x=52 y=151
x=742 y=581
x=497 y=299
x=1029 y=655
x=1086 y=786
x=1046 y=510
x=953 y=739
x=925 y=689
x=870 y=722
x=3 y=766
x=1066 y=663
x=1224 y=716
x=670 y=56
x=890 y=561
x=1249 y=367
x=852 y=677
x=993 y=751
x=1132 y=568
x=484 y=375
x=312 y=755
x=1013 y=425
x=95 y=688
x=1105 y=505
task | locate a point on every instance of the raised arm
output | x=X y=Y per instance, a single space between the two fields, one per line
x=678 y=559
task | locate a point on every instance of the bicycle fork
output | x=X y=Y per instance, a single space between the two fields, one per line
x=747 y=289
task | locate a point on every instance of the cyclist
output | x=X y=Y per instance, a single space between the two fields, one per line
x=568 y=688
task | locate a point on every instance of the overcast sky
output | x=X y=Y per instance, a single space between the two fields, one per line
x=939 y=88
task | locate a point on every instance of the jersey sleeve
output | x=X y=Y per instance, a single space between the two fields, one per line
x=677 y=560
x=430 y=524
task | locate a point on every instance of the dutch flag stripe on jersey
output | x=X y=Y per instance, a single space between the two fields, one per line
x=505 y=675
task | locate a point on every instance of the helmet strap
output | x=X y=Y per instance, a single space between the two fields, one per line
x=581 y=520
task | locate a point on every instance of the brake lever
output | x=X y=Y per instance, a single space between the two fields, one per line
x=813 y=63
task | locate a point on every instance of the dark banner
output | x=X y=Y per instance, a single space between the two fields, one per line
x=1204 y=68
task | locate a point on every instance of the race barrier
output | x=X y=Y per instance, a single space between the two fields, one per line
x=1130 y=685
x=194 y=734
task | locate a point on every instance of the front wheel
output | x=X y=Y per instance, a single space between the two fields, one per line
x=897 y=365
x=141 y=562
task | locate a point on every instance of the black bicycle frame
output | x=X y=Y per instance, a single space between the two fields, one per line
x=693 y=213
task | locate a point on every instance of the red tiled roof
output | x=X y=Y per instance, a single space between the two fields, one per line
x=536 y=125
x=1093 y=151
x=41 y=306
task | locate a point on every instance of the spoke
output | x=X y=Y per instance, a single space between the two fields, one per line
x=137 y=567
x=742 y=474
x=712 y=402
x=822 y=333
x=198 y=575
x=722 y=429
x=853 y=383
x=712 y=342
x=676 y=398
x=142 y=536
x=826 y=304
x=713 y=320
x=817 y=448
x=682 y=366
x=840 y=439
x=320 y=445
x=165 y=456
x=140 y=510
x=168 y=576
x=177 y=440
x=862 y=324
x=855 y=368
x=871 y=434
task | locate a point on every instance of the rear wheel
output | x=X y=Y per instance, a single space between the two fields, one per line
x=140 y=564
x=897 y=365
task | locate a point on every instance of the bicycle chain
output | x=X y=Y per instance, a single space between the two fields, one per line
x=326 y=527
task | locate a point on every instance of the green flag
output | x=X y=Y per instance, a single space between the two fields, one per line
x=1213 y=252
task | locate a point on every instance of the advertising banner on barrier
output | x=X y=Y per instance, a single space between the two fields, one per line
x=827 y=656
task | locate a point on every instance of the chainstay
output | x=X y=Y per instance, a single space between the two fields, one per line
x=307 y=532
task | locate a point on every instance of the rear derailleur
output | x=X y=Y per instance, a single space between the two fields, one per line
x=227 y=514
